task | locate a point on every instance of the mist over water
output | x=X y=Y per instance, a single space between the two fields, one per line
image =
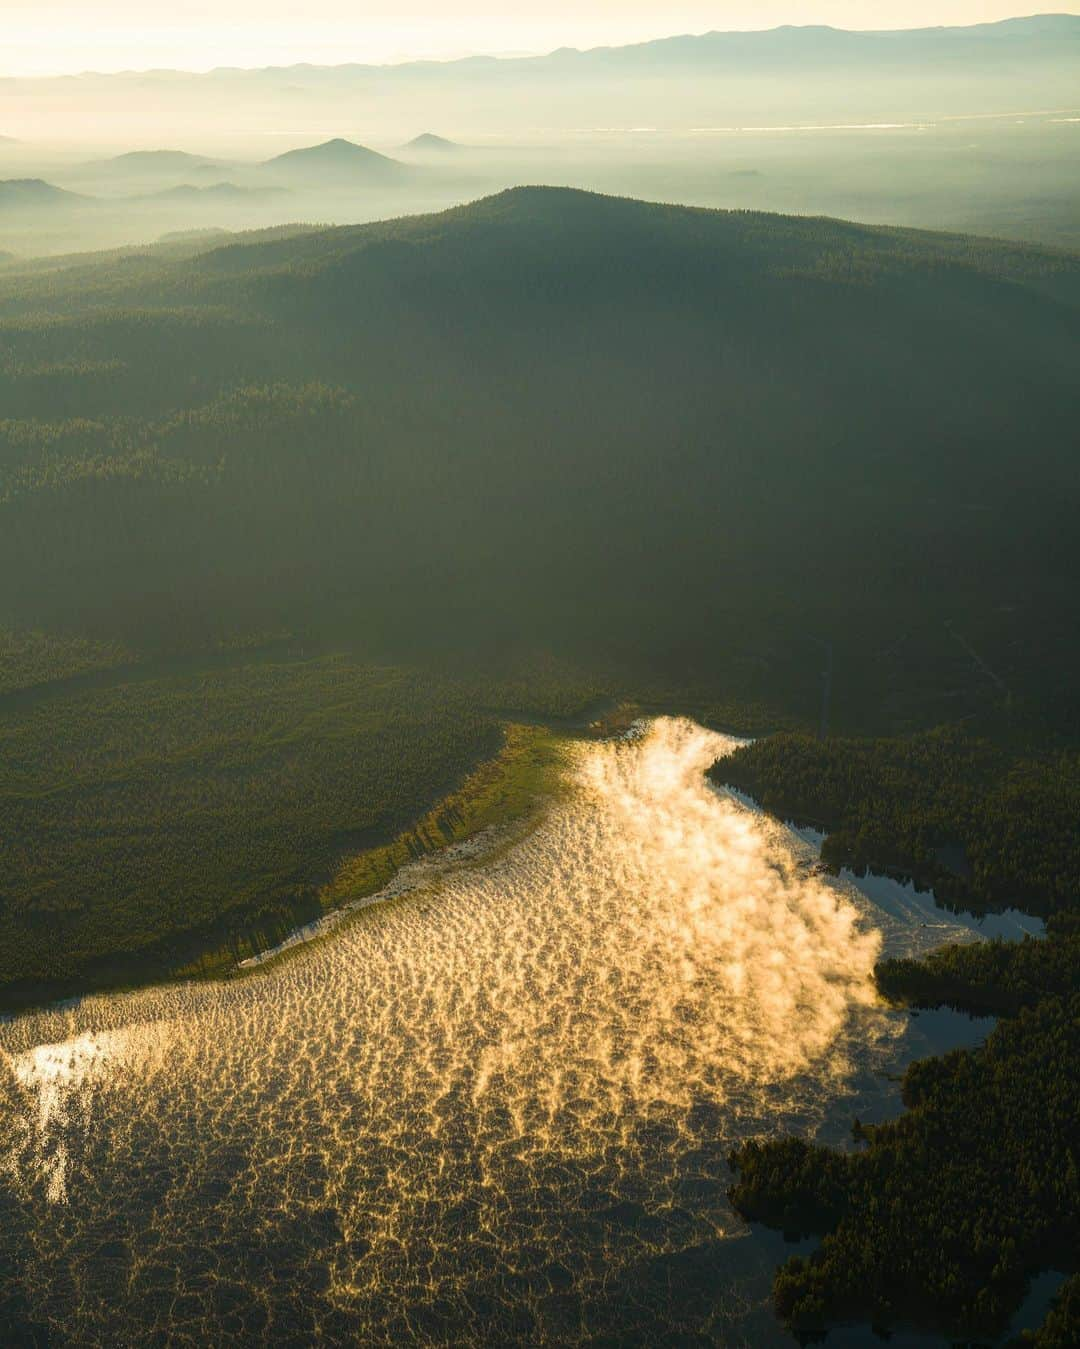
x=496 y=1108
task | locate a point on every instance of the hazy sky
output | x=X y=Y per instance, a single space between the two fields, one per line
x=44 y=37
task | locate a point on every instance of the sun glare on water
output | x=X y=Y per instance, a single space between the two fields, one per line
x=486 y=1103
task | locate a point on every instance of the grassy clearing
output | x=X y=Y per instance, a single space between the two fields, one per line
x=145 y=823
x=498 y=792
x=170 y=826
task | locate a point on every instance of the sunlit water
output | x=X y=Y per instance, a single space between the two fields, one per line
x=496 y=1110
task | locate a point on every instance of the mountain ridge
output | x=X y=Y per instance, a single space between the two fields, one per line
x=168 y=159
x=1051 y=24
x=338 y=155
x=35 y=192
x=428 y=140
x=521 y=395
x=786 y=76
x=563 y=209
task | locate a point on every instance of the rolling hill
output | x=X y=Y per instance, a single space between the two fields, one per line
x=678 y=437
x=700 y=80
x=157 y=161
x=428 y=142
x=1046 y=37
x=335 y=160
x=36 y=194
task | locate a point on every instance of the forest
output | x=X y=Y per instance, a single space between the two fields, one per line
x=941 y=1217
x=171 y=820
x=139 y=816
x=433 y=431
x=297 y=528
x=983 y=825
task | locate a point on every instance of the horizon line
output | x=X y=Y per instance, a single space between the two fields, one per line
x=494 y=58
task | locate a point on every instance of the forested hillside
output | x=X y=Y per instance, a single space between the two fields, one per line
x=292 y=526
x=158 y=818
x=985 y=827
x=610 y=427
x=951 y=1210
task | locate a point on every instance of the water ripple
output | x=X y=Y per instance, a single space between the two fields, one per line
x=496 y=1110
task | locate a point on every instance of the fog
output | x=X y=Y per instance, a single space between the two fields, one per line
x=975 y=130
x=494 y=1098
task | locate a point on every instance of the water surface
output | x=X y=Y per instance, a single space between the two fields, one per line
x=497 y=1109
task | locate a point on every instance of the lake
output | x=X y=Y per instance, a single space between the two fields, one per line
x=496 y=1108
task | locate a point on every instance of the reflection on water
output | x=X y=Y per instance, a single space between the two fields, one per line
x=913 y=907
x=58 y=1080
x=496 y=1110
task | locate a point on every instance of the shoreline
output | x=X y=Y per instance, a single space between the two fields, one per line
x=499 y=794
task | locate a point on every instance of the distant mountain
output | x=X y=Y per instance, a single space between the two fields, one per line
x=158 y=161
x=1035 y=25
x=1035 y=35
x=807 y=76
x=32 y=193
x=819 y=44
x=562 y=418
x=339 y=159
x=428 y=141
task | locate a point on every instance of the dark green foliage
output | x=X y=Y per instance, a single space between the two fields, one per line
x=32 y=658
x=160 y=813
x=688 y=438
x=951 y=1209
x=945 y=1215
x=146 y=822
x=645 y=439
x=986 y=978
x=791 y=1185
x=985 y=827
